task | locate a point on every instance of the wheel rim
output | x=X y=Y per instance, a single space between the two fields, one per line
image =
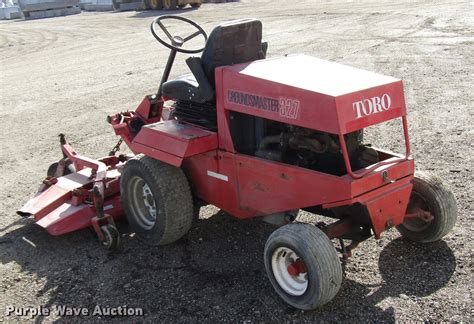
x=289 y=271
x=416 y=224
x=107 y=242
x=143 y=203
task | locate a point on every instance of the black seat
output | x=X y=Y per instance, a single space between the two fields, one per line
x=232 y=42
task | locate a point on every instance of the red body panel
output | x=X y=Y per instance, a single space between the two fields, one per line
x=246 y=186
x=311 y=93
x=268 y=187
x=374 y=179
x=171 y=141
x=213 y=178
x=386 y=205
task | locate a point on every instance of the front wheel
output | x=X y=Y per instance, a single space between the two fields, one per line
x=429 y=194
x=156 y=199
x=302 y=265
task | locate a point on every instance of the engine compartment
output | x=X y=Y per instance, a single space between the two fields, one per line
x=299 y=146
x=280 y=142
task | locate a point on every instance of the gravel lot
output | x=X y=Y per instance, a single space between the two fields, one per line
x=66 y=74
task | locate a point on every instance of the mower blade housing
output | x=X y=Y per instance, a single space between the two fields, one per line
x=55 y=210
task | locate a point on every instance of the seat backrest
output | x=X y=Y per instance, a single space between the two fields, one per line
x=232 y=42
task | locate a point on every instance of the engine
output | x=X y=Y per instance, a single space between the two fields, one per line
x=299 y=146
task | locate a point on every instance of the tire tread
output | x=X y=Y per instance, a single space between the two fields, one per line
x=320 y=247
x=444 y=206
x=175 y=197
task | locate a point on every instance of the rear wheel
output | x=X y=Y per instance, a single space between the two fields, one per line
x=195 y=5
x=170 y=4
x=302 y=265
x=156 y=199
x=431 y=195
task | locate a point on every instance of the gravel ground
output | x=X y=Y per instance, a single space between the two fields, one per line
x=66 y=74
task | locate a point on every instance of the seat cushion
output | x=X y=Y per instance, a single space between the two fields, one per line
x=184 y=88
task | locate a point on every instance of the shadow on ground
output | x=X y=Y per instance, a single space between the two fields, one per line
x=157 y=13
x=215 y=273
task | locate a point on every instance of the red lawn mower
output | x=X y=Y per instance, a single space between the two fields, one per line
x=255 y=137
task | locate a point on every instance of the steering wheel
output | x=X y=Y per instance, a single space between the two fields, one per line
x=176 y=42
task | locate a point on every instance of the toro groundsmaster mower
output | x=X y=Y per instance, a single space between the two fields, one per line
x=255 y=137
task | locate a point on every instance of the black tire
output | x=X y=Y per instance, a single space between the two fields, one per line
x=166 y=213
x=195 y=5
x=430 y=194
x=170 y=4
x=112 y=237
x=324 y=271
x=154 y=4
x=53 y=167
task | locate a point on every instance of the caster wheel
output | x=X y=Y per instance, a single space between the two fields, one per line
x=111 y=237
